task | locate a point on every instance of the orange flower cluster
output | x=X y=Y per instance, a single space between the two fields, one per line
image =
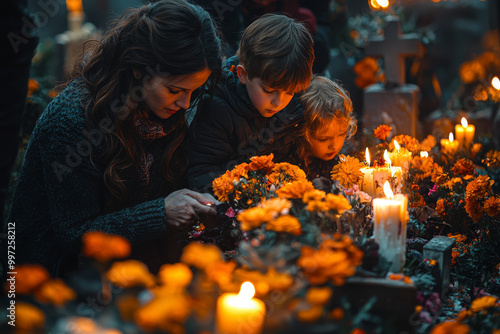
x=441 y=205
x=263 y=283
x=286 y=224
x=295 y=189
x=476 y=148
x=262 y=162
x=452 y=182
x=336 y=259
x=367 y=71
x=167 y=313
x=55 y=292
x=382 y=132
x=450 y=327
x=477 y=190
x=347 y=171
x=319 y=201
x=438 y=176
x=29 y=277
x=29 y=318
x=253 y=217
x=176 y=276
x=492 y=206
x=483 y=303
x=224 y=184
x=33 y=86
x=471 y=71
x=492 y=159
x=201 y=255
x=417 y=201
x=319 y=295
x=406 y=141
x=104 y=247
x=130 y=273
x=463 y=167
x=284 y=172
x=424 y=165
x=428 y=143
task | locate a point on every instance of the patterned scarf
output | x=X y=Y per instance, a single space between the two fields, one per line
x=150 y=128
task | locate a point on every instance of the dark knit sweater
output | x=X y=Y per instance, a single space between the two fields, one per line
x=60 y=194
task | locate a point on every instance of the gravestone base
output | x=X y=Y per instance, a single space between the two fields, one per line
x=397 y=107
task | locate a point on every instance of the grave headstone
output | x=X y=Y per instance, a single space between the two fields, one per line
x=439 y=249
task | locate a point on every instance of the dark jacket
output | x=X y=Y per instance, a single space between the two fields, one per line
x=60 y=194
x=229 y=130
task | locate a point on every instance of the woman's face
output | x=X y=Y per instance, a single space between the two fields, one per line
x=165 y=95
x=328 y=141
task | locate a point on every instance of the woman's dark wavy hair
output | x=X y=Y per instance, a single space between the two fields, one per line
x=167 y=37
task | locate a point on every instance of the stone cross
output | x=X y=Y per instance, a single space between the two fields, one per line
x=439 y=249
x=394 y=47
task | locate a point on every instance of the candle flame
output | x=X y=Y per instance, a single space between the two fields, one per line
x=247 y=291
x=450 y=137
x=464 y=122
x=383 y=3
x=386 y=158
x=424 y=154
x=495 y=82
x=387 y=190
x=367 y=156
x=396 y=145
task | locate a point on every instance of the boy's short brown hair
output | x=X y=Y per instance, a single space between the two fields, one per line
x=278 y=50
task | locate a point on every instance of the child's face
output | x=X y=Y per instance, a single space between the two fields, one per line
x=328 y=141
x=267 y=100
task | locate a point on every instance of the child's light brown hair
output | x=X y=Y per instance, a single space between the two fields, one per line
x=324 y=101
x=278 y=50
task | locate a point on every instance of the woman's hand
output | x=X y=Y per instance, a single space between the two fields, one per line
x=183 y=207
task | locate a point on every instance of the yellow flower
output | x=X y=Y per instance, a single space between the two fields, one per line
x=319 y=296
x=29 y=317
x=492 y=206
x=29 y=277
x=104 y=247
x=55 y=292
x=310 y=315
x=463 y=167
x=201 y=255
x=276 y=205
x=285 y=223
x=262 y=162
x=130 y=273
x=382 y=131
x=450 y=327
x=347 y=171
x=483 y=303
x=176 y=275
x=253 y=217
x=295 y=189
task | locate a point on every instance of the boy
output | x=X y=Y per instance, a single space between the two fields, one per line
x=254 y=111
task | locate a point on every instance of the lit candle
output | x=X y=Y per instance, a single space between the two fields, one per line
x=424 y=154
x=449 y=145
x=240 y=313
x=389 y=229
x=464 y=133
x=400 y=157
x=374 y=177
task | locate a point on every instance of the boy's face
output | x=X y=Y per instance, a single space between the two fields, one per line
x=267 y=100
x=328 y=141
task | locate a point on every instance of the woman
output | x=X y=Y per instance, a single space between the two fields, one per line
x=108 y=153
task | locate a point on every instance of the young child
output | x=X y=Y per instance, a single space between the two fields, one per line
x=254 y=111
x=328 y=121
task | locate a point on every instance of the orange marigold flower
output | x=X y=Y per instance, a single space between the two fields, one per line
x=310 y=315
x=406 y=141
x=451 y=183
x=458 y=237
x=221 y=272
x=337 y=202
x=450 y=327
x=492 y=159
x=317 y=206
x=492 y=206
x=32 y=86
x=428 y=143
x=474 y=209
x=471 y=71
x=319 y=296
x=476 y=148
x=253 y=217
x=367 y=72
x=337 y=314
x=418 y=201
x=483 y=303
x=295 y=189
x=130 y=273
x=479 y=187
x=347 y=171
x=53 y=93
x=262 y=162
x=423 y=164
x=440 y=208
x=177 y=275
x=276 y=205
x=382 y=131
x=55 y=292
x=463 y=167
x=407 y=280
x=29 y=317
x=285 y=223
x=287 y=172
x=104 y=247
x=29 y=277
x=161 y=312
x=438 y=176
x=201 y=255
x=313 y=195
